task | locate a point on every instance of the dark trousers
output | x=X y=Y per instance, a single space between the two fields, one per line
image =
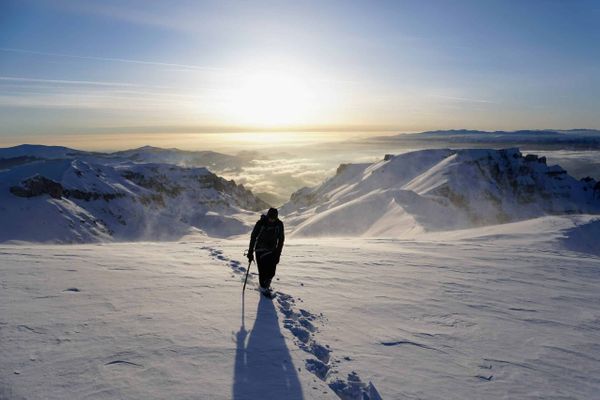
x=265 y=260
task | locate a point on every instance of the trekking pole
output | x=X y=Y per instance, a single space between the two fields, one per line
x=247 y=271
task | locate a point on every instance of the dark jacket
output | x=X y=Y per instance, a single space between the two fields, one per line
x=267 y=236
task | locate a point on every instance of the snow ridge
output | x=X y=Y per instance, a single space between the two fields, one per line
x=302 y=324
x=440 y=189
x=146 y=154
x=70 y=200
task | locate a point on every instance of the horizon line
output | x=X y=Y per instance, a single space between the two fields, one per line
x=225 y=129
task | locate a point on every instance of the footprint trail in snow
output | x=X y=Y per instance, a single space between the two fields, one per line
x=303 y=325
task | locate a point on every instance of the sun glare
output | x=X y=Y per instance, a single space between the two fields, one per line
x=264 y=138
x=272 y=99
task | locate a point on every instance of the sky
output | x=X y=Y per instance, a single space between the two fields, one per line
x=110 y=74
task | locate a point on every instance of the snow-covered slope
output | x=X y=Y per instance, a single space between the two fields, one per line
x=68 y=200
x=500 y=312
x=438 y=189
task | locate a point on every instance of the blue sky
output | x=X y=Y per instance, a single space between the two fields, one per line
x=170 y=67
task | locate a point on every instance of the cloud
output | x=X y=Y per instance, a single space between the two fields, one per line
x=185 y=67
x=462 y=99
x=281 y=177
x=72 y=82
x=140 y=13
x=28 y=92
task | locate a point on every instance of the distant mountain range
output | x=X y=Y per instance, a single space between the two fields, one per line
x=573 y=138
x=57 y=194
x=147 y=154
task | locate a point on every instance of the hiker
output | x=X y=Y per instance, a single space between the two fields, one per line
x=267 y=241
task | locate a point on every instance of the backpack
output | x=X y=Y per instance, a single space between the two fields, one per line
x=269 y=234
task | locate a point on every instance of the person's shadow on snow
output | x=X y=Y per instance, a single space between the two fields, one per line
x=263 y=365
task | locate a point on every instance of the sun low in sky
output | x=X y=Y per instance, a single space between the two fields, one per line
x=276 y=98
x=85 y=70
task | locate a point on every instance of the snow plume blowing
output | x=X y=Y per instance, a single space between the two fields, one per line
x=435 y=190
x=82 y=197
x=74 y=201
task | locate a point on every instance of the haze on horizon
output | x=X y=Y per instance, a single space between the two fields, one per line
x=116 y=74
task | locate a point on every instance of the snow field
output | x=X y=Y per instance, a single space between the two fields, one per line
x=437 y=190
x=495 y=312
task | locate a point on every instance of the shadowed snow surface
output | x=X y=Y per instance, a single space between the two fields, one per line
x=493 y=312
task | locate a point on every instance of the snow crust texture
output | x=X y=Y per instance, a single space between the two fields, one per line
x=495 y=312
x=303 y=326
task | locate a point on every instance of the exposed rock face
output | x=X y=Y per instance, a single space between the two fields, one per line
x=439 y=189
x=173 y=181
x=341 y=168
x=126 y=202
x=513 y=185
x=157 y=183
x=303 y=197
x=152 y=178
x=37 y=186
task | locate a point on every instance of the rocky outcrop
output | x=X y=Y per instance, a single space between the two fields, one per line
x=39 y=185
x=173 y=181
x=158 y=183
x=36 y=186
x=439 y=189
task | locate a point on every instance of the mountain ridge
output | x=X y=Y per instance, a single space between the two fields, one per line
x=70 y=200
x=438 y=189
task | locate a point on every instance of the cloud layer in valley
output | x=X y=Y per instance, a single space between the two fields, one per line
x=275 y=180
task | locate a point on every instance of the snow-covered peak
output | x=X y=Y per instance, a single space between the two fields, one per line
x=146 y=154
x=72 y=200
x=38 y=151
x=438 y=189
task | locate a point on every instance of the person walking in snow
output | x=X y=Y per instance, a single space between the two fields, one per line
x=267 y=241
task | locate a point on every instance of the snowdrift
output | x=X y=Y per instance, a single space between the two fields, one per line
x=441 y=189
x=495 y=312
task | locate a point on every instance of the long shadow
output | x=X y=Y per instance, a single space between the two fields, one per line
x=263 y=366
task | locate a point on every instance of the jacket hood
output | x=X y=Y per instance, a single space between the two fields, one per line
x=264 y=218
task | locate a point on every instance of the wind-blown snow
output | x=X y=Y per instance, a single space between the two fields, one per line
x=440 y=189
x=76 y=200
x=505 y=311
x=463 y=274
x=65 y=200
